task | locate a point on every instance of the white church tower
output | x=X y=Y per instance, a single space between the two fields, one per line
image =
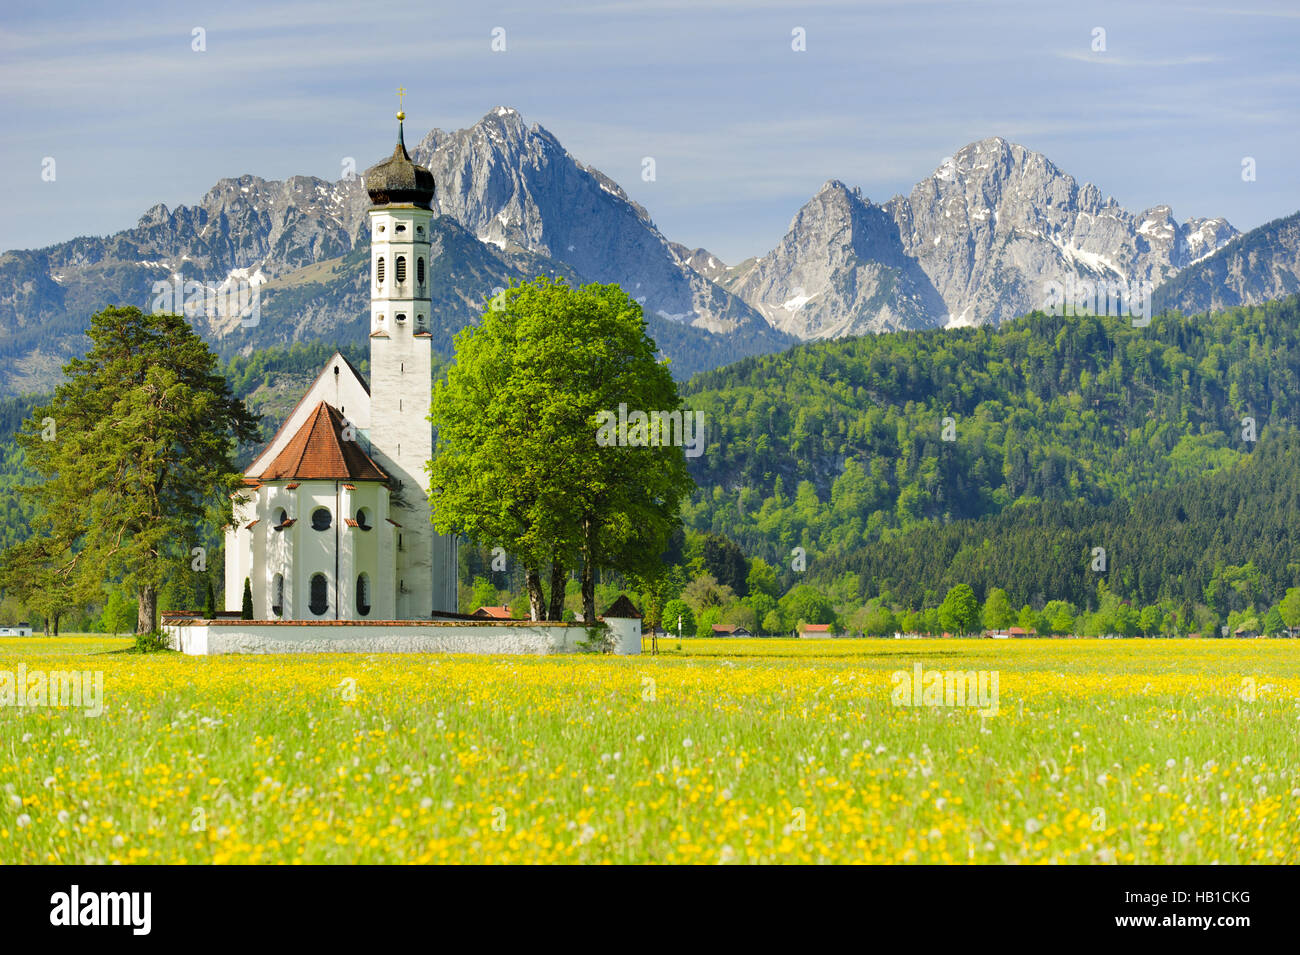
x=401 y=438
x=334 y=519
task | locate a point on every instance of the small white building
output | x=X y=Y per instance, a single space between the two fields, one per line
x=20 y=630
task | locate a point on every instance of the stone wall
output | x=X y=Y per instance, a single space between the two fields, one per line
x=199 y=637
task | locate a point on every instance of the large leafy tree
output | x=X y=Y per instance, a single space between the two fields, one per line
x=518 y=463
x=960 y=611
x=135 y=451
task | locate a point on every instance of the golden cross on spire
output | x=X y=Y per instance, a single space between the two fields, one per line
x=401 y=94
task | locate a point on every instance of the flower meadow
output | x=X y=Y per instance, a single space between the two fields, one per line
x=714 y=751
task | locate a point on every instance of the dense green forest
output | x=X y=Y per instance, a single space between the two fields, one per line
x=835 y=445
x=1230 y=540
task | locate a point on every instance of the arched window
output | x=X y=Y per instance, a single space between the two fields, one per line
x=419 y=270
x=419 y=230
x=400 y=227
x=379 y=271
x=321 y=519
x=363 y=595
x=401 y=318
x=363 y=518
x=277 y=595
x=419 y=321
x=401 y=269
x=320 y=595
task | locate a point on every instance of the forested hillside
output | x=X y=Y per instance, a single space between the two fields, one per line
x=1230 y=540
x=832 y=446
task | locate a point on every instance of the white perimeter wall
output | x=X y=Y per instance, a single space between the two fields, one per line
x=199 y=638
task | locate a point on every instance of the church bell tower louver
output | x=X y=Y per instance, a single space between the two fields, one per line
x=401 y=437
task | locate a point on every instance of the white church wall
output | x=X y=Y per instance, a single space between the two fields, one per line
x=316 y=549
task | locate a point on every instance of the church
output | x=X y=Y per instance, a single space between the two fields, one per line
x=334 y=520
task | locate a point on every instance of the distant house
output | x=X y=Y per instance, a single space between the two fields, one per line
x=730 y=630
x=494 y=613
x=19 y=630
x=1245 y=633
x=998 y=634
x=815 y=630
x=1021 y=632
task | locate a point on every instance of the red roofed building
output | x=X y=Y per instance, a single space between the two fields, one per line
x=815 y=630
x=494 y=613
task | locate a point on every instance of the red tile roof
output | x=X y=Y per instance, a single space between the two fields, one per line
x=318 y=452
x=816 y=628
x=494 y=613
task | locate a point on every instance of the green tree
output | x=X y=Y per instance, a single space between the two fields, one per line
x=806 y=604
x=247 y=603
x=726 y=561
x=484 y=594
x=523 y=417
x=762 y=579
x=676 y=610
x=874 y=619
x=119 y=613
x=1058 y=616
x=960 y=611
x=997 y=610
x=762 y=604
x=1029 y=619
x=1289 y=607
x=705 y=591
x=1149 y=620
x=135 y=450
x=1273 y=623
x=705 y=621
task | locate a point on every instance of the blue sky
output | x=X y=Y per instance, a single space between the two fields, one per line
x=743 y=129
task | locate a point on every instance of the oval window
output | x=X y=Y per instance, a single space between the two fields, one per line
x=277 y=595
x=281 y=517
x=320 y=595
x=401 y=269
x=379 y=271
x=363 y=518
x=419 y=270
x=320 y=519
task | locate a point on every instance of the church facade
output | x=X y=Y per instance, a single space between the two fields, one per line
x=334 y=522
